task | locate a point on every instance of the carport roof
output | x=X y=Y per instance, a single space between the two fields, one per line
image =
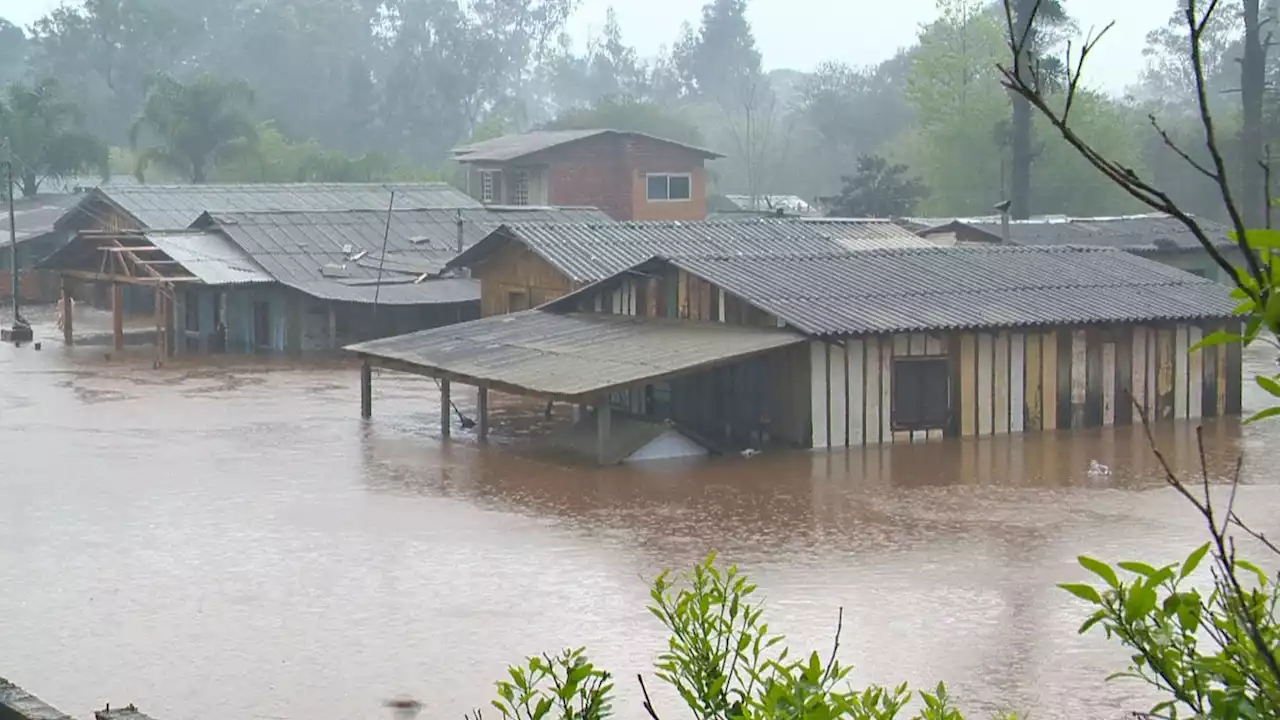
x=569 y=356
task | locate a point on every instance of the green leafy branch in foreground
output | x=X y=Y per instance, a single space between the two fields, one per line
x=722 y=660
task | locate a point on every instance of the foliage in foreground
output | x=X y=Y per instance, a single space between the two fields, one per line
x=722 y=660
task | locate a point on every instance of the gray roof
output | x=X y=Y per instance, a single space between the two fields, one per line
x=313 y=251
x=572 y=355
x=1134 y=233
x=512 y=147
x=174 y=207
x=209 y=256
x=589 y=252
x=955 y=288
x=34 y=217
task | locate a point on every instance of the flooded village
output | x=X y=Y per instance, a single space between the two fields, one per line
x=383 y=348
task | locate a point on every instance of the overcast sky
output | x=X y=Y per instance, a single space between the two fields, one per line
x=800 y=34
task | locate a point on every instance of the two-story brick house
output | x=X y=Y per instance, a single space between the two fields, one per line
x=629 y=175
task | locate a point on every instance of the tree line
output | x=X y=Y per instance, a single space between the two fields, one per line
x=247 y=90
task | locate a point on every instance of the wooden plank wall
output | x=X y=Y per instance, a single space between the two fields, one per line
x=1015 y=381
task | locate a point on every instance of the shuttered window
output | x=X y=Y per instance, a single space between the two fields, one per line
x=920 y=393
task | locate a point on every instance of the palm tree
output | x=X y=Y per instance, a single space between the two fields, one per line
x=196 y=125
x=43 y=131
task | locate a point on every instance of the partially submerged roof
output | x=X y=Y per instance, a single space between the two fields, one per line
x=174 y=207
x=590 y=252
x=570 y=356
x=1134 y=233
x=514 y=147
x=34 y=217
x=958 y=288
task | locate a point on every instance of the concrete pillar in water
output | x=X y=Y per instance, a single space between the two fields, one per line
x=604 y=414
x=178 y=344
x=482 y=405
x=445 y=407
x=68 y=311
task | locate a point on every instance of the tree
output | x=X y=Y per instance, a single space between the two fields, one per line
x=1253 y=85
x=46 y=135
x=13 y=52
x=722 y=58
x=628 y=113
x=1028 y=25
x=196 y=125
x=878 y=190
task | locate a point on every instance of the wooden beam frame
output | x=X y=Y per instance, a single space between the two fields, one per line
x=127 y=279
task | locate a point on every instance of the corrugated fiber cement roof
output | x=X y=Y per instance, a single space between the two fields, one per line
x=209 y=256
x=175 y=207
x=572 y=355
x=956 y=288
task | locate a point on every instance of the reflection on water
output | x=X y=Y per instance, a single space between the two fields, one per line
x=235 y=535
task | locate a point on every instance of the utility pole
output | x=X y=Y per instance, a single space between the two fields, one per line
x=20 y=331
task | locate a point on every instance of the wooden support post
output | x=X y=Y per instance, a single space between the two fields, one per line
x=445 y=409
x=67 y=311
x=366 y=390
x=179 y=312
x=117 y=315
x=604 y=414
x=158 y=302
x=482 y=405
x=333 y=327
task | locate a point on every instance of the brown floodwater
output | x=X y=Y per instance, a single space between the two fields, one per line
x=231 y=539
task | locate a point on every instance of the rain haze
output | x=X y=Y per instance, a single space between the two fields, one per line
x=354 y=350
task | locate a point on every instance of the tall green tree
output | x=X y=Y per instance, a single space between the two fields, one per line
x=194 y=126
x=46 y=135
x=879 y=189
x=1031 y=19
x=13 y=52
x=722 y=58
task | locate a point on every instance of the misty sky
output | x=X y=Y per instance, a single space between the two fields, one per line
x=802 y=33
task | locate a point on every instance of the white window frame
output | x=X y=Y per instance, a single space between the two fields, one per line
x=520 y=187
x=668 y=176
x=489 y=185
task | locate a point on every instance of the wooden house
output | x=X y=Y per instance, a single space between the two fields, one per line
x=629 y=175
x=522 y=266
x=856 y=349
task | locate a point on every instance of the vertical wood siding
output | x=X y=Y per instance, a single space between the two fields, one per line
x=1010 y=382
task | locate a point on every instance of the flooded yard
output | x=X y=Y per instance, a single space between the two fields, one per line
x=231 y=539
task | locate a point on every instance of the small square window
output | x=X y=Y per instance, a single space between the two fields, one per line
x=678 y=188
x=921 y=399
x=487 y=184
x=520 y=193
x=657 y=187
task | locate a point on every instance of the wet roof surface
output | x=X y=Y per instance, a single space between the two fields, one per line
x=210 y=256
x=589 y=252
x=34 y=216
x=954 y=288
x=1145 y=233
x=174 y=207
x=569 y=355
x=512 y=147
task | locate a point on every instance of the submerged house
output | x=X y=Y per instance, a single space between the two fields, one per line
x=854 y=349
x=628 y=175
x=295 y=281
x=1160 y=237
x=522 y=266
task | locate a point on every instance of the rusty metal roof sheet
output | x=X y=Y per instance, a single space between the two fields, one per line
x=209 y=256
x=572 y=355
x=1135 y=233
x=174 y=207
x=953 y=288
x=513 y=147
x=588 y=252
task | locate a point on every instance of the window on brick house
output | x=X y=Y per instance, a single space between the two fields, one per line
x=488 y=185
x=920 y=393
x=665 y=187
x=520 y=190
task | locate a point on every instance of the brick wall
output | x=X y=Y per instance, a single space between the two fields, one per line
x=608 y=172
x=34 y=286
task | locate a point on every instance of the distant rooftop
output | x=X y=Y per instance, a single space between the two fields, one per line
x=588 y=252
x=35 y=216
x=1134 y=233
x=512 y=147
x=884 y=291
x=174 y=207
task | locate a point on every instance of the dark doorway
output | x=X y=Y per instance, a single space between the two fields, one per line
x=261 y=325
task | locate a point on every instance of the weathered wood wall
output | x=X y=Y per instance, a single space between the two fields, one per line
x=515 y=270
x=1009 y=381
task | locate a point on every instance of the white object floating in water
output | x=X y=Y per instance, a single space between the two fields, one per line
x=1097 y=468
x=750 y=452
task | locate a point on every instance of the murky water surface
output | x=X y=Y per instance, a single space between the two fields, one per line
x=233 y=541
